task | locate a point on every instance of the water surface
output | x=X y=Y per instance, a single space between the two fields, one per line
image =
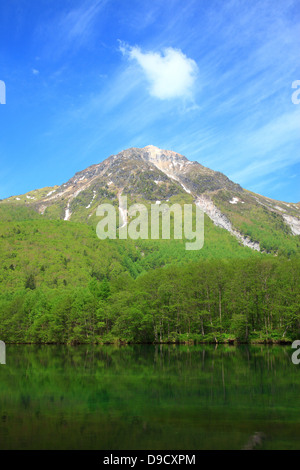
x=149 y=397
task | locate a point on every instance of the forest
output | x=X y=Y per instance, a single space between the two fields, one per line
x=61 y=284
x=208 y=301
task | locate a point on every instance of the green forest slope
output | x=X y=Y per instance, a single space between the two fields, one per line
x=60 y=283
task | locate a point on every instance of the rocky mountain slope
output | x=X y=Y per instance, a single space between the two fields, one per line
x=152 y=175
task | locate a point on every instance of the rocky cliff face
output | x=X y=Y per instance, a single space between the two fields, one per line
x=152 y=174
x=193 y=177
x=220 y=220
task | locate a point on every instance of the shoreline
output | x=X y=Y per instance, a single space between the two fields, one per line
x=187 y=343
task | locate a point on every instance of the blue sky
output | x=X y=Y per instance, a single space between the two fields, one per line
x=212 y=80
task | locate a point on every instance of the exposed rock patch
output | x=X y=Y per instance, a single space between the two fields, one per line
x=220 y=220
x=293 y=223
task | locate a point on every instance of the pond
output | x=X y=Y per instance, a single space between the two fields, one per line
x=151 y=397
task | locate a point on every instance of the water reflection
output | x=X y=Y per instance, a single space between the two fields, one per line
x=149 y=397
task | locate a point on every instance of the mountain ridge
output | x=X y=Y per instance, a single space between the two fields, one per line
x=152 y=174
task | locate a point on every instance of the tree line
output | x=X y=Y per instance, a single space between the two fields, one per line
x=250 y=300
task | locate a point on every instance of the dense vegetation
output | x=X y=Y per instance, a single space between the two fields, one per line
x=260 y=223
x=60 y=283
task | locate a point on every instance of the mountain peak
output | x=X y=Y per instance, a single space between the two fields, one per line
x=156 y=151
x=167 y=161
x=154 y=174
x=150 y=147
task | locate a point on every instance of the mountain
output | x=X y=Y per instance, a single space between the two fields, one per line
x=151 y=174
x=61 y=284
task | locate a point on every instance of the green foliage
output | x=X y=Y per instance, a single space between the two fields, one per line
x=61 y=284
x=259 y=223
x=30 y=282
x=239 y=326
x=208 y=301
x=16 y=212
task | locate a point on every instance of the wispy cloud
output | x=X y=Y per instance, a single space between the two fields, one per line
x=271 y=148
x=170 y=73
x=235 y=59
x=77 y=23
x=71 y=29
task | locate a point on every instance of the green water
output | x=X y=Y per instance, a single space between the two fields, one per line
x=149 y=397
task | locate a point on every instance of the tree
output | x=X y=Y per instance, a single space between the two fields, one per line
x=30 y=282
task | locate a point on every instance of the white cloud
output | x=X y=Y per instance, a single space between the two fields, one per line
x=171 y=74
x=35 y=71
